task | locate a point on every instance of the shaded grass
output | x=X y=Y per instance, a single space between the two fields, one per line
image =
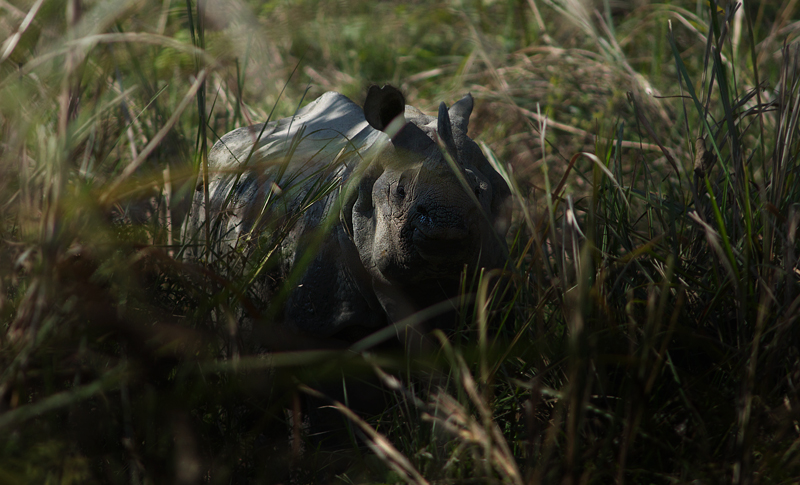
x=649 y=333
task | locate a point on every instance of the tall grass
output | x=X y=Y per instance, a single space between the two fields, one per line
x=647 y=333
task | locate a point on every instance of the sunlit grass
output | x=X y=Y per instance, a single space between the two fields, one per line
x=644 y=329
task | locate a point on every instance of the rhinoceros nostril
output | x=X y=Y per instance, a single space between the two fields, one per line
x=429 y=230
x=423 y=217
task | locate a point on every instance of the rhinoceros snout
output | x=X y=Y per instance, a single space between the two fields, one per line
x=440 y=236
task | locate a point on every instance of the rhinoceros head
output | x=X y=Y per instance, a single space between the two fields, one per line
x=430 y=202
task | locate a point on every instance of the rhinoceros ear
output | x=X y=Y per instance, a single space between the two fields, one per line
x=460 y=112
x=384 y=105
x=445 y=130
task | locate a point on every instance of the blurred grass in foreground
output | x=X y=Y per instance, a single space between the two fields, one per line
x=652 y=330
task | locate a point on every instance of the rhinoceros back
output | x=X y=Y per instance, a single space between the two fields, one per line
x=327 y=124
x=325 y=140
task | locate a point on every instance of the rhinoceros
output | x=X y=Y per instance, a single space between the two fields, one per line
x=407 y=201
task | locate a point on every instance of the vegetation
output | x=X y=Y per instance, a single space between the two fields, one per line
x=649 y=333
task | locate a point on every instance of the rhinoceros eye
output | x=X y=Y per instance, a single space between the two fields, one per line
x=401 y=191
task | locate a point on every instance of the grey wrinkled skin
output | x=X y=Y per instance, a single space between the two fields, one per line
x=404 y=223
